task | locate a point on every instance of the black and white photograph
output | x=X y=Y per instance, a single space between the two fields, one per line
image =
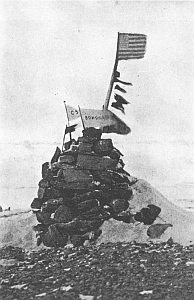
x=97 y=150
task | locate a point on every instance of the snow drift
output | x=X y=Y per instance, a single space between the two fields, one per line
x=182 y=221
x=16 y=227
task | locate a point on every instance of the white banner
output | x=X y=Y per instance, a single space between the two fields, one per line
x=99 y=118
x=72 y=113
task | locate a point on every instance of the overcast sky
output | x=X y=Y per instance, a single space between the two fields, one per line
x=53 y=51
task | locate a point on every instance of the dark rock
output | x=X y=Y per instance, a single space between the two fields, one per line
x=170 y=242
x=51 y=205
x=82 y=186
x=102 y=176
x=119 y=205
x=85 y=147
x=96 y=213
x=63 y=214
x=52 y=193
x=67 y=159
x=92 y=162
x=59 y=165
x=148 y=215
x=119 y=178
x=41 y=192
x=115 y=154
x=85 y=139
x=53 y=238
x=56 y=183
x=127 y=217
x=76 y=175
x=43 y=183
x=69 y=202
x=96 y=234
x=78 y=240
x=156 y=230
x=154 y=210
x=103 y=147
x=68 y=144
x=44 y=218
x=115 y=193
x=95 y=224
x=48 y=173
x=40 y=228
x=92 y=133
x=96 y=194
x=39 y=241
x=56 y=155
x=87 y=205
x=75 y=226
x=37 y=203
x=121 y=185
x=122 y=193
x=80 y=226
x=45 y=167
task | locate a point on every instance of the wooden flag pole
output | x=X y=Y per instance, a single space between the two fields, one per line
x=81 y=117
x=70 y=136
x=64 y=139
x=105 y=106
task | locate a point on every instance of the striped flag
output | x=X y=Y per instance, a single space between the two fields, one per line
x=131 y=46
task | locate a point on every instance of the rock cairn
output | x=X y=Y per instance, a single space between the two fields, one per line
x=83 y=186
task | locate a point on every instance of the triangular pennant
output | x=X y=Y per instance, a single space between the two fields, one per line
x=123 y=82
x=117 y=87
x=118 y=106
x=120 y=99
x=70 y=129
x=116 y=74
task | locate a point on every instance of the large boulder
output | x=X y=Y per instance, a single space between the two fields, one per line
x=63 y=214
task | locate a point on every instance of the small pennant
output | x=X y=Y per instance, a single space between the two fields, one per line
x=123 y=82
x=117 y=87
x=120 y=99
x=118 y=106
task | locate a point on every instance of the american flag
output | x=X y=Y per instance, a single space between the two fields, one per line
x=131 y=46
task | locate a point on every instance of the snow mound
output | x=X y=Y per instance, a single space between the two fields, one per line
x=182 y=221
x=16 y=226
x=16 y=229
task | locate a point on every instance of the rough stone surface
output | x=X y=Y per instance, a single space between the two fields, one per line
x=92 y=162
x=86 y=189
x=119 y=205
x=76 y=188
x=68 y=159
x=112 y=271
x=63 y=214
x=76 y=175
x=103 y=147
x=85 y=147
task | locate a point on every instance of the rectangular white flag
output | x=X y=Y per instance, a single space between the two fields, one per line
x=99 y=118
x=72 y=113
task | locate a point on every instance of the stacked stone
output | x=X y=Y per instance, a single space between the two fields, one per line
x=80 y=188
